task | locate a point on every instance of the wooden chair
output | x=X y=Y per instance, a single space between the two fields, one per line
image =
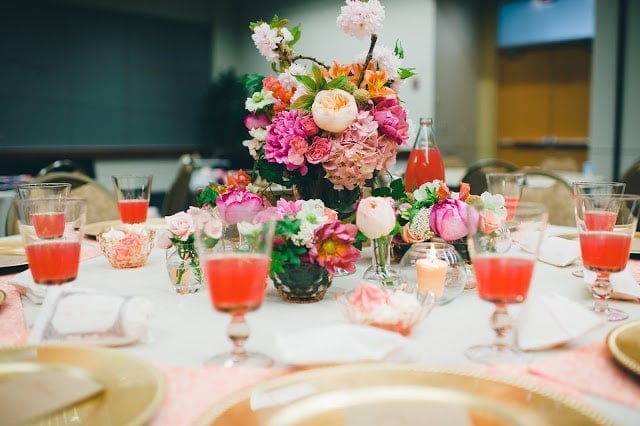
x=550 y=189
x=178 y=197
x=631 y=178
x=101 y=204
x=476 y=173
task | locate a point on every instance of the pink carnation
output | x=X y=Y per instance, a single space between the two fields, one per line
x=282 y=145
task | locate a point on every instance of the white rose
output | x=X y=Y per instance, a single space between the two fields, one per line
x=334 y=110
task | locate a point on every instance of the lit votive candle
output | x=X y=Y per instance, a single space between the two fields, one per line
x=432 y=273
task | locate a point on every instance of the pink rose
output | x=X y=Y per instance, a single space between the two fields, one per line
x=308 y=125
x=238 y=206
x=375 y=217
x=163 y=239
x=319 y=150
x=449 y=219
x=181 y=224
x=488 y=222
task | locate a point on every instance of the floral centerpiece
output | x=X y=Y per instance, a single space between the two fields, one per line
x=310 y=244
x=327 y=129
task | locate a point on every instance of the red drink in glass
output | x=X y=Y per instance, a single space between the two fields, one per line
x=48 y=225
x=133 y=211
x=511 y=204
x=600 y=220
x=503 y=279
x=53 y=262
x=423 y=165
x=605 y=251
x=237 y=282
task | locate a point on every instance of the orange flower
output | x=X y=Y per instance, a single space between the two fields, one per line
x=375 y=82
x=338 y=70
x=465 y=191
x=443 y=191
x=238 y=181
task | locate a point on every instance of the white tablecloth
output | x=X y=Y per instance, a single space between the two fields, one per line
x=185 y=330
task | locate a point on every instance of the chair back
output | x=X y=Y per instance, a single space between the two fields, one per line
x=101 y=204
x=550 y=189
x=476 y=174
x=631 y=178
x=179 y=196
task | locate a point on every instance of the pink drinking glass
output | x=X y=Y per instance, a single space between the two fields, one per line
x=509 y=185
x=133 y=194
x=606 y=225
x=504 y=257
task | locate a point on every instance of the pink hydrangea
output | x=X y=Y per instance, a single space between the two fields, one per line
x=283 y=145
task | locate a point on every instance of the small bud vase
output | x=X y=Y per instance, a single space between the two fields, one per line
x=183 y=267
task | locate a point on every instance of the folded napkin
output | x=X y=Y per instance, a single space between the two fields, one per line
x=625 y=287
x=71 y=315
x=26 y=286
x=550 y=320
x=559 y=251
x=342 y=343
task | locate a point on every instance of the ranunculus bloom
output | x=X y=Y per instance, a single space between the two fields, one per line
x=449 y=219
x=375 y=217
x=333 y=110
x=238 y=206
x=181 y=224
x=319 y=150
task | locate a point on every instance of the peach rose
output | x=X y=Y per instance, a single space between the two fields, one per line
x=334 y=110
x=375 y=217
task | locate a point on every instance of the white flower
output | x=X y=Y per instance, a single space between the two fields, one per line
x=494 y=203
x=375 y=217
x=361 y=19
x=312 y=212
x=426 y=188
x=266 y=40
x=287 y=78
x=305 y=236
x=259 y=100
x=385 y=59
x=259 y=133
x=334 y=110
x=286 y=35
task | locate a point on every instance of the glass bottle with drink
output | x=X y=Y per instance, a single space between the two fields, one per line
x=425 y=160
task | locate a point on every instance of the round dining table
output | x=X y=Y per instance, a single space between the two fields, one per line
x=184 y=330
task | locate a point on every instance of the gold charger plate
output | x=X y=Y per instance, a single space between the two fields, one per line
x=12 y=255
x=396 y=394
x=93 y=229
x=133 y=389
x=3 y=296
x=624 y=345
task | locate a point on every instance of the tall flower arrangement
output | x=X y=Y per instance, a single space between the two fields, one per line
x=338 y=124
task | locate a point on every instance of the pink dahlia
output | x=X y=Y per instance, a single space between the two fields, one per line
x=333 y=247
x=391 y=118
x=286 y=141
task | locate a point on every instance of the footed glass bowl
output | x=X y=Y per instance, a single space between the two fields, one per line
x=398 y=310
x=129 y=248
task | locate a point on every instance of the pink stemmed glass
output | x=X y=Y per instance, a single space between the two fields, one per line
x=503 y=256
x=606 y=225
x=235 y=269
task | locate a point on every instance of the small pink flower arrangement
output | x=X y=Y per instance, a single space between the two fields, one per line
x=127 y=248
x=308 y=232
x=339 y=122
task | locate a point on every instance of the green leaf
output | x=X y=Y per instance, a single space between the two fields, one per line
x=303 y=102
x=307 y=81
x=253 y=82
x=338 y=82
x=406 y=72
x=398 y=50
x=317 y=75
x=296 y=32
x=207 y=196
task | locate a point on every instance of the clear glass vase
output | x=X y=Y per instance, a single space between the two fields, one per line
x=381 y=272
x=183 y=267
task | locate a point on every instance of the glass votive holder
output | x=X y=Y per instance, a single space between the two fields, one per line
x=127 y=247
x=435 y=267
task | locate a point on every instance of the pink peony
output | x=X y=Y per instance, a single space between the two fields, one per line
x=392 y=119
x=285 y=131
x=333 y=247
x=489 y=222
x=449 y=219
x=375 y=217
x=238 y=206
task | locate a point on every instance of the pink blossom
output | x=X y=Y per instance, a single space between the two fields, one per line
x=289 y=208
x=449 y=219
x=361 y=19
x=489 y=221
x=238 y=206
x=298 y=150
x=266 y=40
x=285 y=127
x=163 y=239
x=308 y=125
x=319 y=150
x=333 y=247
x=391 y=118
x=253 y=121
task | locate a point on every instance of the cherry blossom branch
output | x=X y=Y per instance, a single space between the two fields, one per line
x=310 y=58
x=374 y=39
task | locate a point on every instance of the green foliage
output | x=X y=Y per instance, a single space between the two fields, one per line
x=285 y=251
x=253 y=82
x=207 y=196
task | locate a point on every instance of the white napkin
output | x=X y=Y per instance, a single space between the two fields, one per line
x=623 y=283
x=550 y=320
x=25 y=284
x=342 y=343
x=72 y=315
x=559 y=251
